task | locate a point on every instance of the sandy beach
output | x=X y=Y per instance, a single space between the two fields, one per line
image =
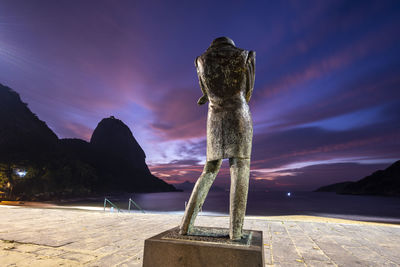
x=43 y=234
x=300 y=218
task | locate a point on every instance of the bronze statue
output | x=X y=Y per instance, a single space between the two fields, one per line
x=226 y=76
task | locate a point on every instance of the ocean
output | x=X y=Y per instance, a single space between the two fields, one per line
x=364 y=208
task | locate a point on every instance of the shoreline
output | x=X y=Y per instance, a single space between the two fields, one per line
x=328 y=218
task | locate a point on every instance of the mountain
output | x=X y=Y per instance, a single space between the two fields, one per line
x=57 y=168
x=122 y=158
x=22 y=133
x=383 y=182
x=334 y=187
x=185 y=186
x=114 y=139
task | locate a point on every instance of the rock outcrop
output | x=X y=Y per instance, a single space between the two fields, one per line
x=122 y=159
x=383 y=182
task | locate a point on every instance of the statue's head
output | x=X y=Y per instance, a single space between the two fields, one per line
x=222 y=40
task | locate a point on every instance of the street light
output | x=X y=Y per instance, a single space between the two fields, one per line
x=21 y=173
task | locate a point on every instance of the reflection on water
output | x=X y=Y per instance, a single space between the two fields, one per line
x=369 y=208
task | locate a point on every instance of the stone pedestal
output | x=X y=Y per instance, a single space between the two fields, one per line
x=204 y=246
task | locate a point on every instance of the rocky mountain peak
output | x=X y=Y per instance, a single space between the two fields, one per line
x=114 y=137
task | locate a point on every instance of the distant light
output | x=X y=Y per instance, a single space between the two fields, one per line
x=288 y=194
x=21 y=173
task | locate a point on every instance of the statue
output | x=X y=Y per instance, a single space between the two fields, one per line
x=226 y=76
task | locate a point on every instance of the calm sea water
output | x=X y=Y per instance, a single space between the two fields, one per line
x=368 y=208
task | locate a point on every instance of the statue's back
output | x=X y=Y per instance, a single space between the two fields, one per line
x=224 y=71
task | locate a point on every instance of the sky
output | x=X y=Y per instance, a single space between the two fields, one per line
x=326 y=101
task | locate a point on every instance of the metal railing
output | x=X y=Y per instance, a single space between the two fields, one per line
x=112 y=205
x=106 y=200
x=136 y=205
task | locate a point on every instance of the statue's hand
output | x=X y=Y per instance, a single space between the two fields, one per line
x=202 y=100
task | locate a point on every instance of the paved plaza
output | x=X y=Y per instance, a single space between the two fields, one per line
x=65 y=237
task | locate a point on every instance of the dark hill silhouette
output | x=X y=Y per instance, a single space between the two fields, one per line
x=382 y=182
x=122 y=158
x=334 y=187
x=112 y=162
x=77 y=148
x=22 y=133
x=113 y=138
x=185 y=186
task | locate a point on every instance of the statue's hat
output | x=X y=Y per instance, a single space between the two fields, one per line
x=222 y=40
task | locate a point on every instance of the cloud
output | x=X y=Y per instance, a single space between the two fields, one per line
x=368 y=91
x=76 y=129
x=314 y=176
x=274 y=153
x=312 y=57
x=188 y=170
x=177 y=115
x=176 y=172
x=280 y=148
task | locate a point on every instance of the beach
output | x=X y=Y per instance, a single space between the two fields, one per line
x=318 y=204
x=43 y=236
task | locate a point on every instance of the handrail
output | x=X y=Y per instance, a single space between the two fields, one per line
x=112 y=204
x=136 y=205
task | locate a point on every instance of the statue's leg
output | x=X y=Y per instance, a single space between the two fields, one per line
x=240 y=171
x=199 y=194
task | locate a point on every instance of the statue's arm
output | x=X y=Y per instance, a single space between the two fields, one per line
x=251 y=74
x=204 y=98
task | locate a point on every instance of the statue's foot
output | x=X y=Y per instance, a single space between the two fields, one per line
x=235 y=236
x=182 y=231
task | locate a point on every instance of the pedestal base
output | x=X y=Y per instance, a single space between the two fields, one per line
x=204 y=246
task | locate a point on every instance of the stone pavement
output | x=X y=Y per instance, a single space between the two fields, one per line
x=60 y=237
